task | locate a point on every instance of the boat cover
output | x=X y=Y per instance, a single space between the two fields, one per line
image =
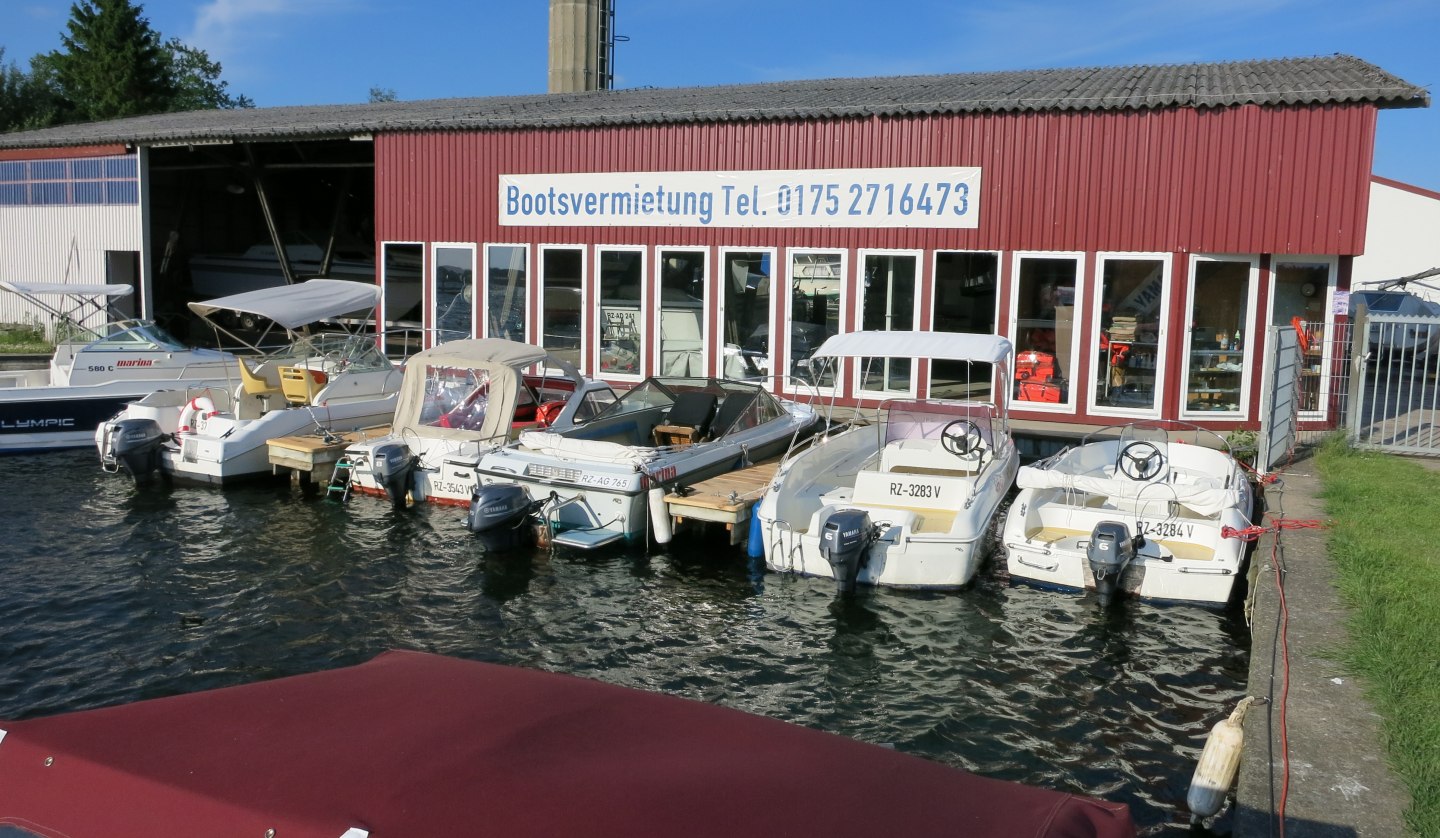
x=37 y=288
x=413 y=744
x=946 y=346
x=1204 y=495
x=593 y=450
x=293 y=306
x=501 y=362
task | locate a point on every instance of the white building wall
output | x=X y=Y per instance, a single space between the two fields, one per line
x=1402 y=235
x=62 y=244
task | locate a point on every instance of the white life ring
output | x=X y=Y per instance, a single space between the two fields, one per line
x=196 y=409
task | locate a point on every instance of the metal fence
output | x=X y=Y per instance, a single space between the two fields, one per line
x=1396 y=359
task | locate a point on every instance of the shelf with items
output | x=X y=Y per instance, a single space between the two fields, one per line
x=1126 y=373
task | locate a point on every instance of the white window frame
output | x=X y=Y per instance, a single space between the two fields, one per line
x=384 y=279
x=787 y=382
x=1327 y=350
x=707 y=310
x=1166 y=261
x=1069 y=405
x=432 y=337
x=934 y=289
x=768 y=381
x=539 y=309
x=529 y=283
x=645 y=350
x=1246 y=376
x=858 y=315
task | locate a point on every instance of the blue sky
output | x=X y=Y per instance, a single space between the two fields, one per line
x=289 y=52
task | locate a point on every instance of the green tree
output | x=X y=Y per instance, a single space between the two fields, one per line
x=114 y=64
x=197 y=82
x=27 y=100
x=382 y=94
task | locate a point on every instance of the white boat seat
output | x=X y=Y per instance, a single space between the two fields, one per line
x=927 y=456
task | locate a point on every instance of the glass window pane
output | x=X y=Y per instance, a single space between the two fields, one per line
x=746 y=324
x=1126 y=355
x=887 y=304
x=12 y=194
x=622 y=275
x=89 y=193
x=87 y=169
x=47 y=170
x=816 y=282
x=507 y=293
x=120 y=167
x=12 y=171
x=562 y=317
x=47 y=193
x=965 y=286
x=122 y=192
x=1045 y=320
x=682 y=312
x=453 y=293
x=1217 y=336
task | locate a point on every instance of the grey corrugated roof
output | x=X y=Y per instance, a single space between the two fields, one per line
x=1288 y=81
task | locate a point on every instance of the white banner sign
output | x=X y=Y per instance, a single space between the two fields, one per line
x=936 y=196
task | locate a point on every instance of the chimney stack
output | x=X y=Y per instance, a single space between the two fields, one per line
x=582 y=45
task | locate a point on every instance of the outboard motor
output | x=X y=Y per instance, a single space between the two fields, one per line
x=1110 y=551
x=393 y=464
x=845 y=540
x=500 y=515
x=135 y=444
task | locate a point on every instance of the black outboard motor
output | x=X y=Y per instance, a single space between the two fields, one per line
x=393 y=464
x=500 y=515
x=845 y=540
x=1110 y=551
x=135 y=444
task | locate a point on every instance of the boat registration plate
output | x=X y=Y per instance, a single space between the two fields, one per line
x=1166 y=529
x=922 y=492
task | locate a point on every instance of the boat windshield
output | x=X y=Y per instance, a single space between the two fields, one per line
x=750 y=405
x=455 y=397
x=133 y=335
x=927 y=420
x=352 y=353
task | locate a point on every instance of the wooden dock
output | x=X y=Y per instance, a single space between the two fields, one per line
x=727 y=499
x=311 y=458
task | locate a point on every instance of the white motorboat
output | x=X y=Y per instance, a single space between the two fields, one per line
x=1132 y=510
x=907 y=501
x=94 y=371
x=594 y=484
x=460 y=400
x=325 y=382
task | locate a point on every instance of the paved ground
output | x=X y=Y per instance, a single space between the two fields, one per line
x=1338 y=780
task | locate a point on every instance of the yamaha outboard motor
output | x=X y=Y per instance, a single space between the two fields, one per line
x=845 y=540
x=135 y=444
x=1110 y=551
x=500 y=515
x=393 y=464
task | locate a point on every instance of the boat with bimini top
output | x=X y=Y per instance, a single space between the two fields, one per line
x=326 y=381
x=1133 y=509
x=460 y=400
x=94 y=371
x=602 y=480
x=908 y=500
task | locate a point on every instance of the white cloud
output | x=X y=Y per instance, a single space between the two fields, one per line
x=234 y=32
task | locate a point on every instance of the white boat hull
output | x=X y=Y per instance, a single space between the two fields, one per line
x=1185 y=555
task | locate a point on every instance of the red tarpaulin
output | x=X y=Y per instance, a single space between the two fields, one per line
x=412 y=744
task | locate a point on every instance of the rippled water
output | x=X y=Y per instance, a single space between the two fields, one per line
x=108 y=596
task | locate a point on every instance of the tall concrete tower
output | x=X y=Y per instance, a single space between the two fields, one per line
x=582 y=45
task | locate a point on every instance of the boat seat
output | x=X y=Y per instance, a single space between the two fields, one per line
x=300 y=385
x=257 y=384
x=688 y=420
x=927 y=456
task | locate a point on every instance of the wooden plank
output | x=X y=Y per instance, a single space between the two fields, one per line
x=305 y=451
x=745 y=485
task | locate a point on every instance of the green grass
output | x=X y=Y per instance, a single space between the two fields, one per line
x=19 y=339
x=1385 y=542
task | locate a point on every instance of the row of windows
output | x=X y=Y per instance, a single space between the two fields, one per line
x=91 y=181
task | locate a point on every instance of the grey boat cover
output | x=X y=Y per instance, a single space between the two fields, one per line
x=948 y=346
x=37 y=288
x=293 y=306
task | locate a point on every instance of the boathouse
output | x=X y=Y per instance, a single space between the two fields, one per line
x=1134 y=230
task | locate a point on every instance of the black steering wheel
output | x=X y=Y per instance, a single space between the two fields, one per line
x=1141 y=460
x=961 y=437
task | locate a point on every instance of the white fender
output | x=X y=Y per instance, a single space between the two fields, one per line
x=659 y=515
x=199 y=407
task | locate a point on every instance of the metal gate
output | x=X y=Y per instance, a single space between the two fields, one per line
x=1279 y=400
x=1393 y=371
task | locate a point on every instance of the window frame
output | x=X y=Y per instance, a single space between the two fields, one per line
x=644 y=350
x=707 y=309
x=858 y=313
x=1017 y=258
x=1161 y=368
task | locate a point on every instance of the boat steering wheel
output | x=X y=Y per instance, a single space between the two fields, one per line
x=961 y=437
x=1141 y=460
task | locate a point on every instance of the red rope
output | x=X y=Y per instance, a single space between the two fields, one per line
x=1253 y=533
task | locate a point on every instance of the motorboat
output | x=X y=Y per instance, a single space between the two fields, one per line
x=908 y=500
x=594 y=484
x=1133 y=509
x=417 y=744
x=458 y=401
x=1413 y=330
x=323 y=381
x=94 y=371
